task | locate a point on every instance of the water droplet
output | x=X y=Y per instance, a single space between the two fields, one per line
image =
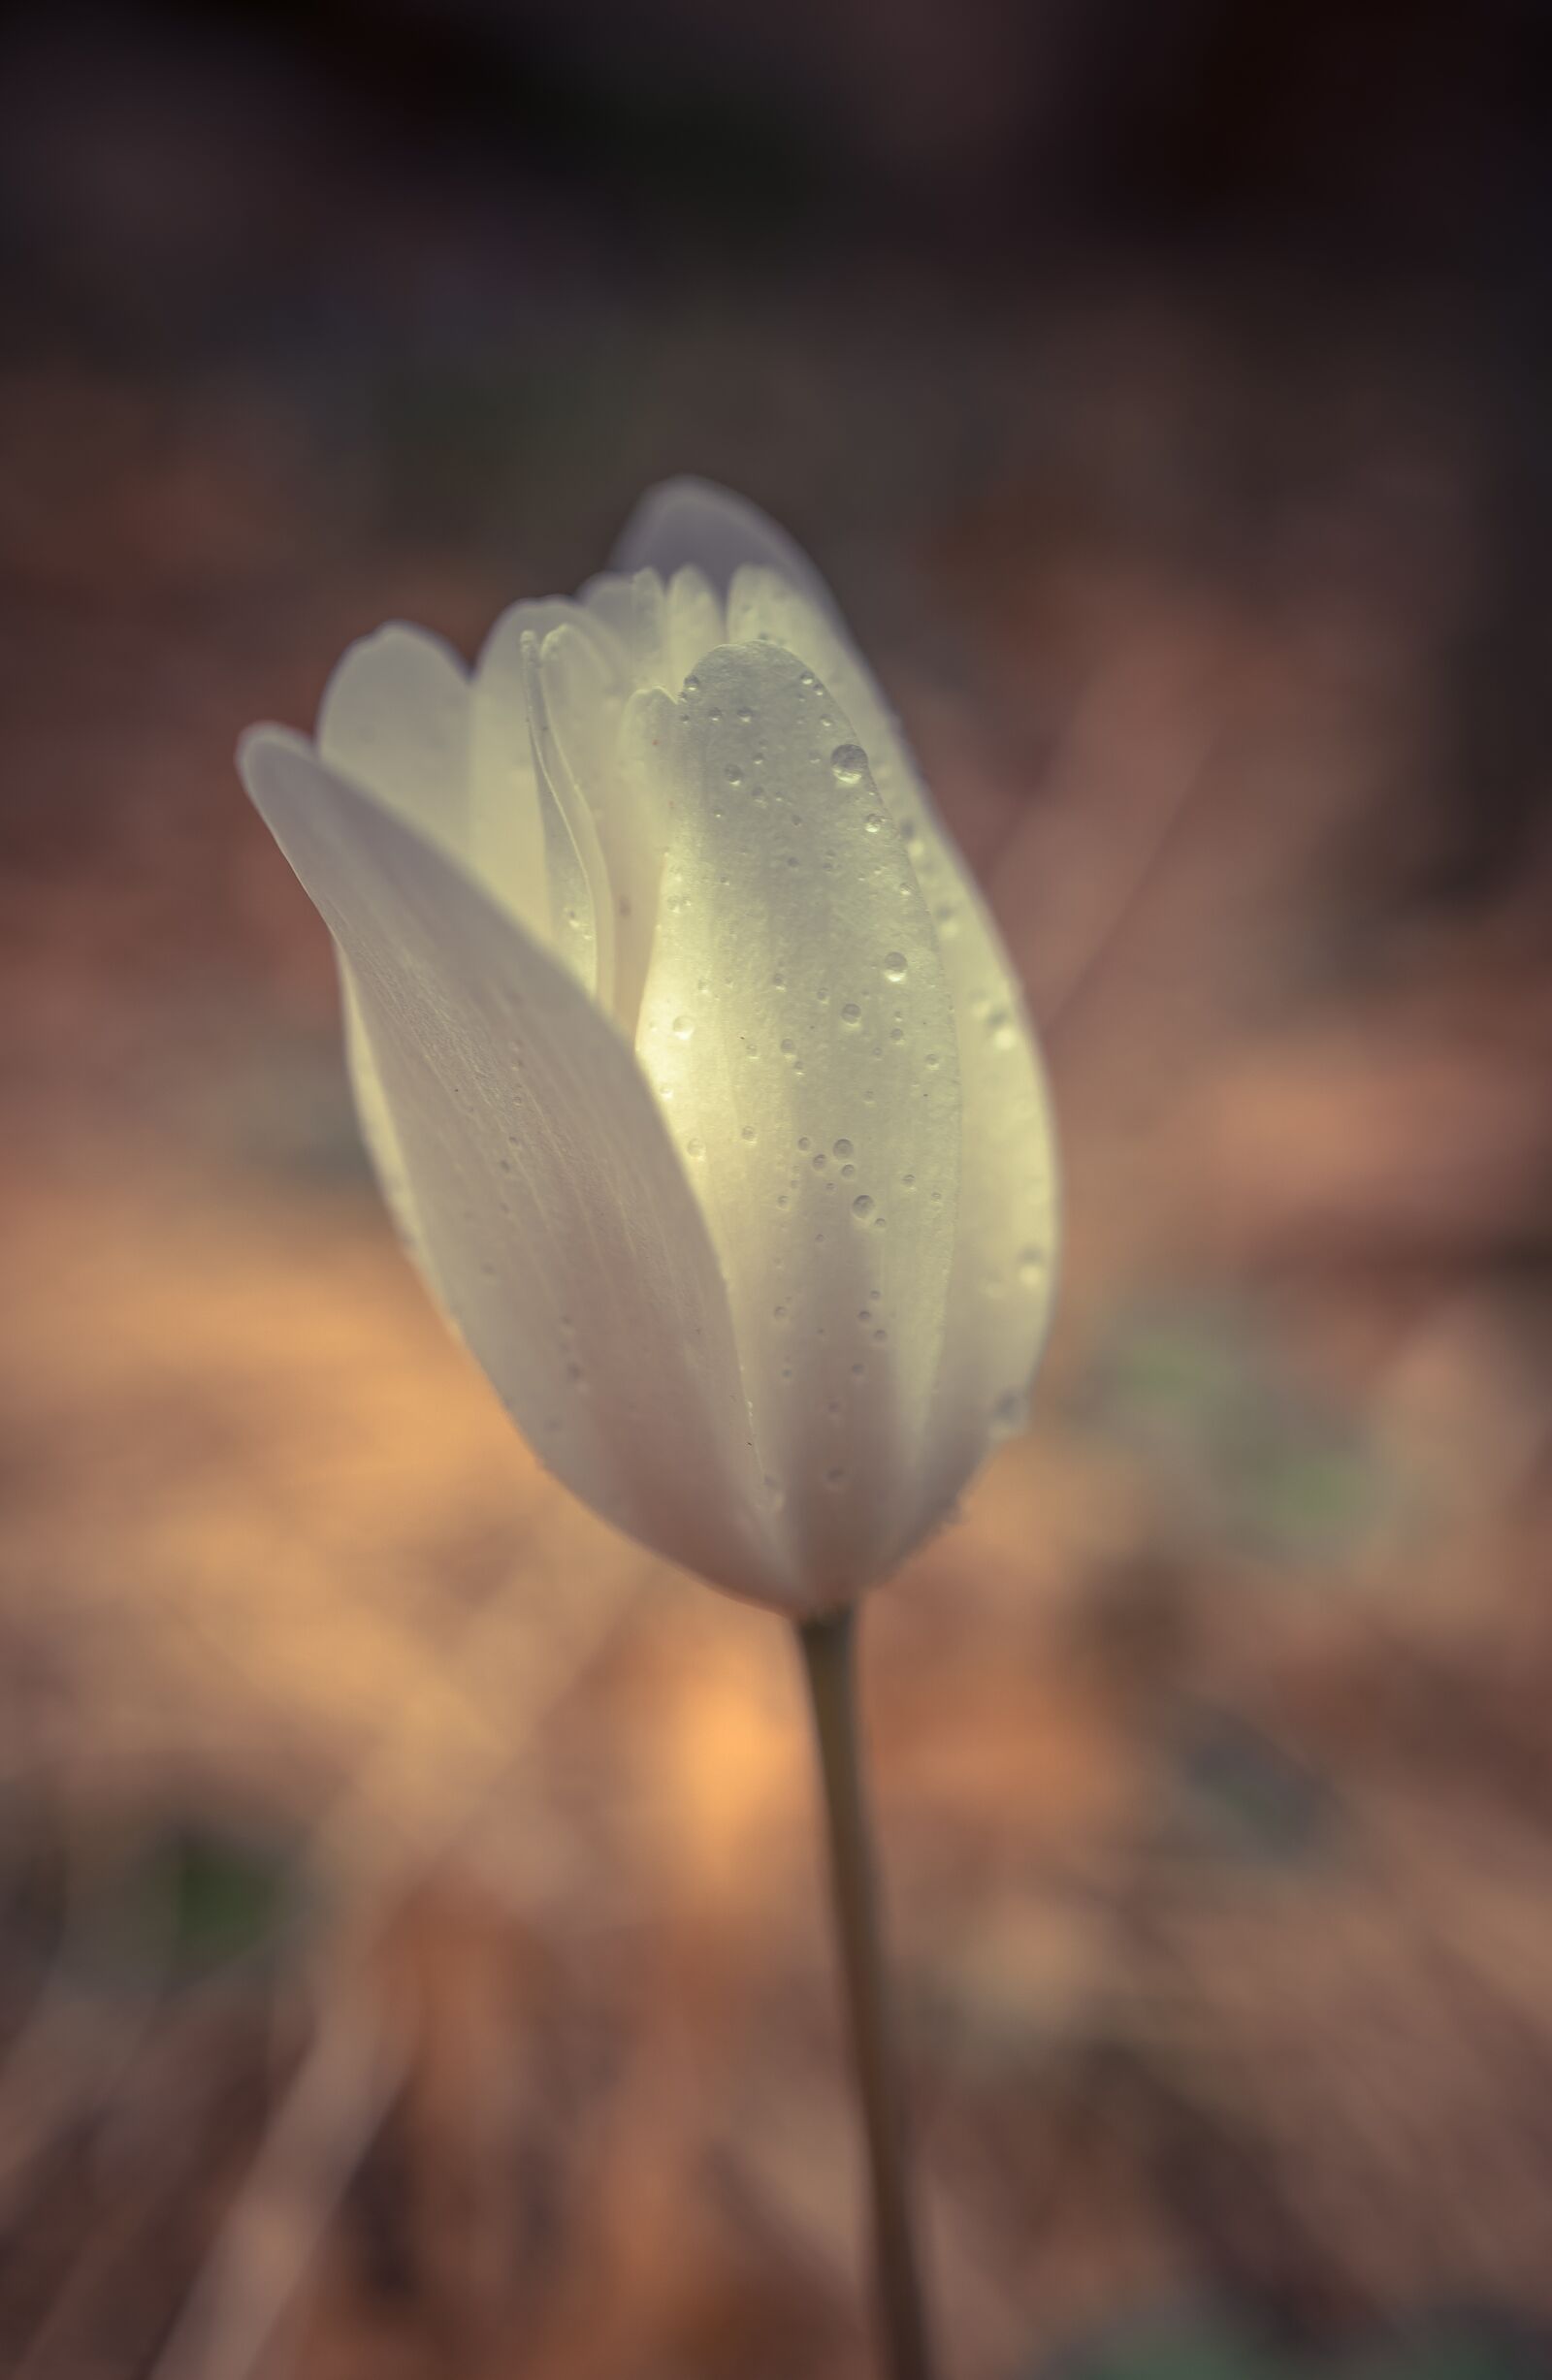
x=849 y=763
x=1001 y=1027
x=694 y=1149
x=748 y=1133
x=894 y=966
x=862 y=1205
x=735 y=776
x=820 y=1162
x=843 y=1148
x=851 y=1013
x=879 y=1338
x=1031 y=1267
x=684 y=1026
x=745 y=717
x=788 y=1049
x=778 y=1313
x=846 y=1171
x=873 y=823
x=835 y=1476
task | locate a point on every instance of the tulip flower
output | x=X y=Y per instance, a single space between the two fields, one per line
x=695 y=1075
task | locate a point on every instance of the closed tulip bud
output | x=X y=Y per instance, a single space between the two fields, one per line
x=689 y=1059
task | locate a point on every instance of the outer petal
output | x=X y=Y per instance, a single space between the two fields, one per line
x=796 y=1025
x=395 y=716
x=557 y=1221
x=1002 y=1290
x=999 y=1304
x=694 y=521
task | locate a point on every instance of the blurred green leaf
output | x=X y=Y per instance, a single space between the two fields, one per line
x=1198 y=1395
x=1206 y=2343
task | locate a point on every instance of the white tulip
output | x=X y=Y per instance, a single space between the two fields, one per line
x=691 y=1063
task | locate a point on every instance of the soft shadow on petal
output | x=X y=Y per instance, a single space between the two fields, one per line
x=560 y=1228
x=395 y=716
x=507 y=840
x=581 y=907
x=584 y=696
x=796 y=1025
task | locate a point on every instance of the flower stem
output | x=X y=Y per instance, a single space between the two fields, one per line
x=828 y=1646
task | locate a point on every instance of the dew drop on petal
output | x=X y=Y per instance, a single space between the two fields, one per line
x=843 y=1148
x=894 y=966
x=684 y=1026
x=862 y=1205
x=851 y=1013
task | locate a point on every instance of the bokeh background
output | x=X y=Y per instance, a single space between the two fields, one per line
x=411 y=1958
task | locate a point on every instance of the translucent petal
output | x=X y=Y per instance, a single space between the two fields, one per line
x=694 y=623
x=584 y=694
x=797 y=1028
x=581 y=909
x=633 y=613
x=694 y=521
x=562 y=1233
x=395 y=716
x=507 y=840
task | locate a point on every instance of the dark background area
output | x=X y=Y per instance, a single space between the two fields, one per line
x=410 y=1957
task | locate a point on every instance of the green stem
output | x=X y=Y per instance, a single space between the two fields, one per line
x=827 y=1648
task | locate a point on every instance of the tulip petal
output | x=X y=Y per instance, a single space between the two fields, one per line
x=1000 y=1298
x=507 y=842
x=581 y=909
x=559 y=1227
x=395 y=717
x=1002 y=1289
x=694 y=521
x=796 y=1025
x=584 y=700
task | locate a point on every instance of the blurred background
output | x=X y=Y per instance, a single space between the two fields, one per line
x=412 y=1948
